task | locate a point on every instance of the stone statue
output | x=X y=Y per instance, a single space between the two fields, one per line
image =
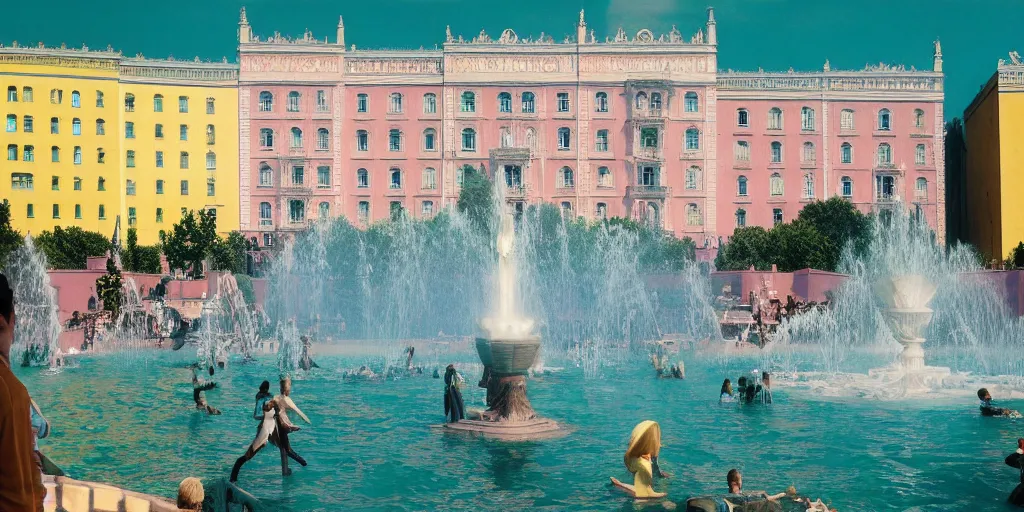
x=582 y=23
x=1015 y=58
x=508 y=36
x=448 y=34
x=592 y=38
x=620 y=36
x=827 y=66
x=674 y=36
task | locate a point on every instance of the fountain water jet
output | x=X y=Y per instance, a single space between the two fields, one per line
x=37 y=331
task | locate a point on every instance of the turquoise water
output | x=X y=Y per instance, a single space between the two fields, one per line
x=129 y=420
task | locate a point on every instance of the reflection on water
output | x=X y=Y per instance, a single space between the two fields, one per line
x=371 y=447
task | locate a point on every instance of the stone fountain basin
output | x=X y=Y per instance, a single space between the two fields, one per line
x=508 y=356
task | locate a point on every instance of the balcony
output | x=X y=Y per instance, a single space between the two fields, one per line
x=886 y=198
x=646 y=191
x=296 y=191
x=299 y=151
x=515 y=192
x=266 y=223
x=648 y=153
x=656 y=113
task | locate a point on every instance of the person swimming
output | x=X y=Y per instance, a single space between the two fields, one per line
x=198 y=387
x=727 y=394
x=643 y=449
x=306 y=361
x=1016 y=460
x=454 y=408
x=286 y=404
x=987 y=409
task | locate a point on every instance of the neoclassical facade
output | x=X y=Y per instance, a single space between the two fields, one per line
x=640 y=125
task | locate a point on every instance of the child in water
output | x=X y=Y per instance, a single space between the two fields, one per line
x=727 y=395
x=987 y=409
x=644 y=445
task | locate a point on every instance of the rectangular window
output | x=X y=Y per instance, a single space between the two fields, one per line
x=321 y=101
x=54 y=126
x=160 y=187
x=159 y=214
x=183 y=132
x=158 y=103
x=129 y=188
x=27 y=121
x=129 y=130
x=183 y=104
x=78 y=211
x=298 y=175
x=132 y=219
x=159 y=158
x=429 y=104
x=184 y=187
x=563 y=102
x=159 y=131
x=183 y=160
x=76 y=127
x=102 y=212
x=362 y=103
x=101 y=128
x=129 y=158
x=777 y=216
x=99 y=99
x=323 y=176
x=209 y=106
x=56 y=211
x=30 y=211
x=55 y=183
x=78 y=183
x=211 y=187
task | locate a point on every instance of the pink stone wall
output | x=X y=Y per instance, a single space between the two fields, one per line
x=806 y=284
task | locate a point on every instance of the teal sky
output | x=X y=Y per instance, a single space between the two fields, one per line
x=773 y=34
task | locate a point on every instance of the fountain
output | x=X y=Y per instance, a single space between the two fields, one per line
x=37 y=331
x=508 y=349
x=907 y=314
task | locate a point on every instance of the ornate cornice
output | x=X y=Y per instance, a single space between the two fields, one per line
x=83 y=58
x=168 y=69
x=871 y=79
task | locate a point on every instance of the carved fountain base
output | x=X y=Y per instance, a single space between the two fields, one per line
x=909 y=374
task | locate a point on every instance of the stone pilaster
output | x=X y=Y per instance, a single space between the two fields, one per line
x=244 y=164
x=711 y=163
x=338 y=183
x=939 y=154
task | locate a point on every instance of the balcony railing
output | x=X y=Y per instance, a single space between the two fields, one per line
x=515 y=191
x=646 y=191
x=887 y=198
x=647 y=152
x=648 y=113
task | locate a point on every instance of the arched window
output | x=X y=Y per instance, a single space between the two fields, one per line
x=693 y=216
x=641 y=101
x=266 y=101
x=742 y=151
x=775 y=184
x=211 y=160
x=12 y=123
x=807 y=119
x=12 y=93
x=692 y=139
x=429 y=140
x=742 y=118
x=183 y=160
x=921 y=189
x=690 y=102
x=884 y=120
x=158 y=103
x=775 y=118
x=884 y=154
x=846 y=186
x=604 y=177
x=506 y=137
x=266 y=214
x=776 y=149
x=429 y=103
x=76 y=99
x=323 y=139
x=846 y=153
x=396 y=179
x=429 y=179
x=78 y=155
x=602 y=141
x=101 y=127
x=809 y=153
x=565 y=178
x=846 y=120
x=528 y=103
x=504 y=102
x=362 y=178
x=601 y=102
x=396 y=103
x=808 y=186
x=293 y=101
x=296 y=137
x=601 y=212
x=129 y=101
x=741 y=218
x=210 y=108
x=266 y=175
x=394 y=140
x=693 y=178
x=920 y=155
x=566 y=207
x=656 y=103
x=266 y=138
x=325 y=210
x=467 y=102
x=918 y=118
x=211 y=134
x=468 y=139
x=564 y=138
x=54 y=154
x=741 y=186
x=651 y=215
x=362 y=140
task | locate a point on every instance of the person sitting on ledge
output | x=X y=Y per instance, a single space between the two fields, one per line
x=198 y=387
x=454 y=408
x=191 y=494
x=644 y=446
x=987 y=409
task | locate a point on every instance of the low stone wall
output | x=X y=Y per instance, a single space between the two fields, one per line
x=67 y=495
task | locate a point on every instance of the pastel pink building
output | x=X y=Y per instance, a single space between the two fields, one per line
x=641 y=126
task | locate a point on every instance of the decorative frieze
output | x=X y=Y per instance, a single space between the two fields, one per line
x=393 y=66
x=645 y=64
x=290 y=64
x=176 y=70
x=865 y=81
x=105 y=64
x=522 y=63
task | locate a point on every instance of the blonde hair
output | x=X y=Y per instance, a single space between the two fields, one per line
x=644 y=440
x=191 y=494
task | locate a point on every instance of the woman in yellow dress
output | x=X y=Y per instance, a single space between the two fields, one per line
x=644 y=445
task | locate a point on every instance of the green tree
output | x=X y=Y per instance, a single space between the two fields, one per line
x=190 y=242
x=798 y=245
x=841 y=223
x=1016 y=258
x=10 y=239
x=140 y=258
x=69 y=248
x=109 y=288
x=747 y=247
x=476 y=199
x=229 y=253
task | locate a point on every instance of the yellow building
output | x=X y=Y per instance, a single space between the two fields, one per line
x=993 y=131
x=91 y=135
